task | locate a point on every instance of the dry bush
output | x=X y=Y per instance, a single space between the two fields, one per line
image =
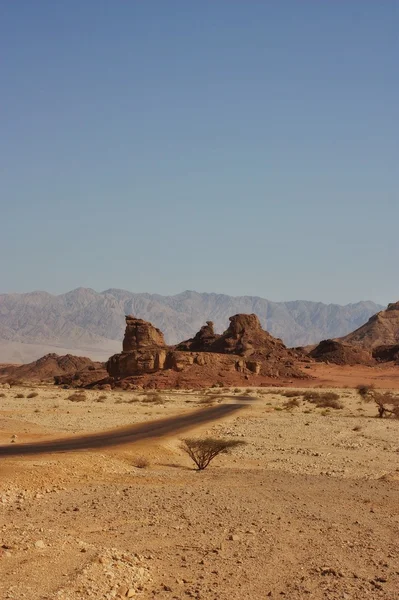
x=387 y=403
x=203 y=451
x=14 y=382
x=154 y=398
x=32 y=395
x=292 y=403
x=323 y=399
x=208 y=400
x=290 y=394
x=77 y=397
x=19 y=396
x=2 y=395
x=365 y=391
x=141 y=462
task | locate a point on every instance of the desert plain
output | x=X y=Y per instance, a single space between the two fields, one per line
x=307 y=508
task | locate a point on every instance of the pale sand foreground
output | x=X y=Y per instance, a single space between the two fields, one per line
x=307 y=509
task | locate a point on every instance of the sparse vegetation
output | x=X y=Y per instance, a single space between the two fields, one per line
x=32 y=395
x=208 y=400
x=154 y=398
x=323 y=399
x=19 y=396
x=2 y=395
x=292 y=403
x=387 y=403
x=290 y=394
x=77 y=397
x=141 y=462
x=203 y=451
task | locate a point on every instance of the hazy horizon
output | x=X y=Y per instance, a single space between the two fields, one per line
x=270 y=299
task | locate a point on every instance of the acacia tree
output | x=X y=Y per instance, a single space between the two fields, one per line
x=203 y=451
x=387 y=403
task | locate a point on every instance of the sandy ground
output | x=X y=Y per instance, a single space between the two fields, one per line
x=308 y=508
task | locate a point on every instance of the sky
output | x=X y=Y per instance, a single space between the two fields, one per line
x=230 y=146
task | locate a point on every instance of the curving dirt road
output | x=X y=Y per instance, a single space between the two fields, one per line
x=126 y=435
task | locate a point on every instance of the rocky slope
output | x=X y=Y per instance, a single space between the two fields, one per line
x=86 y=322
x=381 y=329
x=332 y=351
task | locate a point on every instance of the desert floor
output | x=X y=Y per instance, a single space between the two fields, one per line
x=308 y=508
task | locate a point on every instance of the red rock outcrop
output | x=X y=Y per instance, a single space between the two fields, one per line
x=244 y=350
x=202 y=341
x=144 y=350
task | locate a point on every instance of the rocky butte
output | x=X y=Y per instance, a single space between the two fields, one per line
x=243 y=352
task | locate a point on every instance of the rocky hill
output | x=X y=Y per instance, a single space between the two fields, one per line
x=381 y=329
x=50 y=366
x=90 y=323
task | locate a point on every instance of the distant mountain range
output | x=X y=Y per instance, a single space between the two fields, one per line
x=85 y=322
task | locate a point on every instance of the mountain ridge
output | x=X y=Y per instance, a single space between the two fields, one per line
x=84 y=318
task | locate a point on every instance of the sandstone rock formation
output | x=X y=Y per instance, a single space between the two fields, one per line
x=202 y=341
x=244 y=350
x=144 y=350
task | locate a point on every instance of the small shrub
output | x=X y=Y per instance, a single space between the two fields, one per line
x=141 y=462
x=19 y=396
x=357 y=428
x=154 y=398
x=32 y=395
x=323 y=399
x=208 y=400
x=77 y=397
x=365 y=391
x=290 y=394
x=292 y=403
x=203 y=451
x=2 y=395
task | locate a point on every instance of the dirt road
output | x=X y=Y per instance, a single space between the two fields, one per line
x=125 y=435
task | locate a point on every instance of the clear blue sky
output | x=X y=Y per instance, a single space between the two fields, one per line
x=244 y=147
